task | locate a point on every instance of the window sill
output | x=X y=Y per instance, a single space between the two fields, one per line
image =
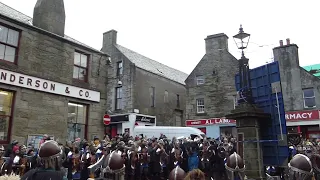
x=308 y=108
x=201 y=114
x=118 y=110
x=80 y=83
x=8 y=64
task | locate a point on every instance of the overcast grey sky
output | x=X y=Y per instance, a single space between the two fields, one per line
x=173 y=31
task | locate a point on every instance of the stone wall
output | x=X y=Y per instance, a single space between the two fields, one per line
x=290 y=72
x=167 y=112
x=135 y=83
x=219 y=68
x=51 y=58
x=126 y=81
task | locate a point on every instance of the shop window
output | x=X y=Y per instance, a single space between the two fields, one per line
x=118 y=98
x=9 y=40
x=77 y=121
x=152 y=92
x=200 y=105
x=309 y=98
x=200 y=80
x=166 y=96
x=119 y=68
x=80 y=68
x=6 y=99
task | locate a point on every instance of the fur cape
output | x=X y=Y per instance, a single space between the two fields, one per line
x=11 y=177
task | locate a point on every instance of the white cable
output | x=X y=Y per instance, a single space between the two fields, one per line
x=278 y=107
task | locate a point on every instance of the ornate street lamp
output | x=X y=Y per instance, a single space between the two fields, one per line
x=242 y=40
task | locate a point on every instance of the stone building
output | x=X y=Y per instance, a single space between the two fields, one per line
x=49 y=82
x=301 y=92
x=139 y=84
x=211 y=88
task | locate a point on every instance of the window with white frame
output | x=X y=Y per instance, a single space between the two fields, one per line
x=309 y=99
x=118 y=98
x=200 y=105
x=200 y=80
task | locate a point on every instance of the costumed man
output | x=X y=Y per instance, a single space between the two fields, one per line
x=144 y=159
x=75 y=156
x=177 y=174
x=155 y=167
x=218 y=161
x=193 y=160
x=300 y=168
x=315 y=160
x=235 y=167
x=50 y=159
x=10 y=153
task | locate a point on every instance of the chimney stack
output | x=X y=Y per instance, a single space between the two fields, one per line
x=281 y=43
x=288 y=41
x=50 y=16
x=216 y=43
x=109 y=38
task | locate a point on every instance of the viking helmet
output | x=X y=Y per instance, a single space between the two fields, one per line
x=235 y=166
x=50 y=155
x=113 y=164
x=177 y=174
x=300 y=168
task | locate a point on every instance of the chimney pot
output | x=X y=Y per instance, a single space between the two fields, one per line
x=281 y=42
x=288 y=41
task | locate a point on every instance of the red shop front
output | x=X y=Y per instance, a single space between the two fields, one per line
x=305 y=122
x=214 y=127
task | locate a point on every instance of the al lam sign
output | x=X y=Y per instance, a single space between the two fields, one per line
x=212 y=121
x=25 y=81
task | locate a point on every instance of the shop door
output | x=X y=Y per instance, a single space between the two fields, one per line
x=204 y=130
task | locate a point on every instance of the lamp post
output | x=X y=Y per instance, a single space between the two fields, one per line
x=248 y=116
x=242 y=40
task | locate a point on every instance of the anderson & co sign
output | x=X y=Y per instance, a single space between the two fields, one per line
x=25 y=81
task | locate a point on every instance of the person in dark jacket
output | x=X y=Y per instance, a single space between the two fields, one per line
x=50 y=159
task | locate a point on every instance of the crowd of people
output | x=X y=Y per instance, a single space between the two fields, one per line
x=141 y=158
x=144 y=158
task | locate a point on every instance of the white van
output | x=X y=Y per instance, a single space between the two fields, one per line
x=168 y=131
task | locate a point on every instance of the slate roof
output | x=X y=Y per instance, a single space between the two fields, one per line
x=6 y=10
x=153 y=66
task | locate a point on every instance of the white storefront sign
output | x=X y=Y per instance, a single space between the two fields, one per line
x=21 y=80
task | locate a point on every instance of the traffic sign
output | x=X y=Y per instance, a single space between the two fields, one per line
x=106 y=119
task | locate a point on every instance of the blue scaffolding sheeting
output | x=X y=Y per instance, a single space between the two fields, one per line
x=275 y=150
